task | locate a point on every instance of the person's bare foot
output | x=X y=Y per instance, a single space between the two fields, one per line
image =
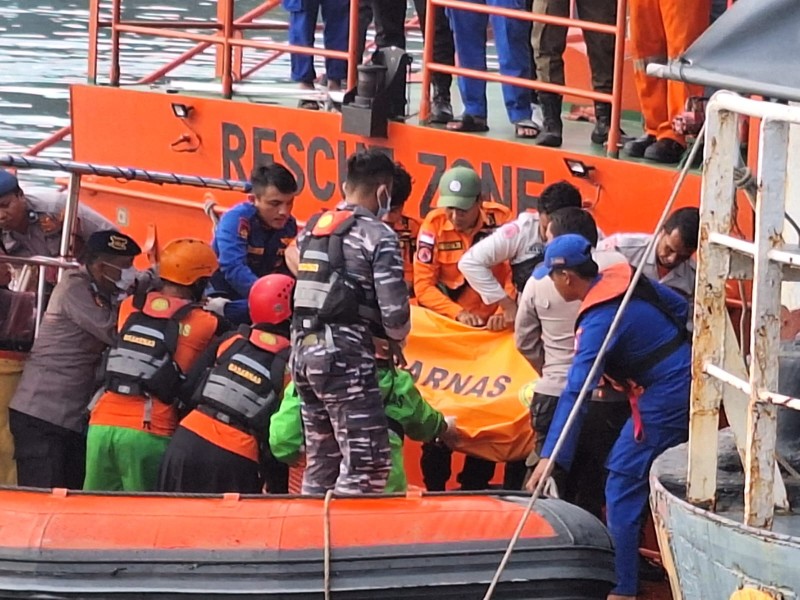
x=334 y=85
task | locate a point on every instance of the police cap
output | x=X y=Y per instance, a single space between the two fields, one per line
x=8 y=183
x=112 y=242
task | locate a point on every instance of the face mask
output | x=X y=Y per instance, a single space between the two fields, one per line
x=127 y=278
x=384 y=210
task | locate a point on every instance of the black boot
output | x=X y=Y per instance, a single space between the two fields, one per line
x=553 y=127
x=441 y=109
x=602 y=123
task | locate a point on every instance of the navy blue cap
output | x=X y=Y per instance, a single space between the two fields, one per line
x=8 y=183
x=113 y=242
x=564 y=252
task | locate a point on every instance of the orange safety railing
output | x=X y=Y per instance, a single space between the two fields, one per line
x=614 y=98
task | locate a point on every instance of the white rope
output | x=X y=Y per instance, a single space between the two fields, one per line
x=593 y=373
x=326 y=551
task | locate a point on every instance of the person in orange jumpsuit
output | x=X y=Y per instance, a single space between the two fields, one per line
x=662 y=30
x=406 y=227
x=460 y=220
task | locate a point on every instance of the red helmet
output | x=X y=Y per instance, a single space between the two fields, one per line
x=271 y=299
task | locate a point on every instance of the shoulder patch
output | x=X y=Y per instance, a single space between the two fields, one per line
x=426 y=238
x=48 y=223
x=330 y=221
x=243 y=230
x=510 y=230
x=425 y=254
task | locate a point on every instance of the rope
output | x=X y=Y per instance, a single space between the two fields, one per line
x=71 y=166
x=593 y=373
x=326 y=552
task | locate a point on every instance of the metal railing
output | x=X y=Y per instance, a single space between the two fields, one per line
x=76 y=170
x=618 y=30
x=751 y=398
x=228 y=39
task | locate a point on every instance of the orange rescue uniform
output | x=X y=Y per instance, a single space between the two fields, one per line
x=196 y=331
x=407 y=229
x=662 y=30
x=438 y=283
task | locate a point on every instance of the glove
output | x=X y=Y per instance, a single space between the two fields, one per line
x=449 y=437
x=216 y=305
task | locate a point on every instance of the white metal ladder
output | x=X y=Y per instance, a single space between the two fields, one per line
x=750 y=394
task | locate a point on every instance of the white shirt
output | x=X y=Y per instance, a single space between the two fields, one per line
x=544 y=331
x=515 y=242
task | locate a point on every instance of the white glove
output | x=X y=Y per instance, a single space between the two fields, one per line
x=216 y=305
x=449 y=437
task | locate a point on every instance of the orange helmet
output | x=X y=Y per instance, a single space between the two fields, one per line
x=186 y=260
x=271 y=299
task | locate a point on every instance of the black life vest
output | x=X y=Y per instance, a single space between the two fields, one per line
x=245 y=386
x=325 y=294
x=142 y=362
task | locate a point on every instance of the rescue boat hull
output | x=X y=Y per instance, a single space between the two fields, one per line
x=60 y=545
x=709 y=554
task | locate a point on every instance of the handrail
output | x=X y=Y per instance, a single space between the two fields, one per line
x=39 y=261
x=614 y=98
x=82 y=168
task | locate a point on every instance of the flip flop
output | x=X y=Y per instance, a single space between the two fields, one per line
x=521 y=126
x=468 y=124
x=308 y=104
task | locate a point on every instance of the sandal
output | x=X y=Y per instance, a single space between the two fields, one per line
x=468 y=124
x=522 y=128
x=308 y=104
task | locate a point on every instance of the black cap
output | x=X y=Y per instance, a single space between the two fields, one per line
x=112 y=242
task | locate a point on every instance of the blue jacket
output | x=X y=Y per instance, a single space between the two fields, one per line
x=248 y=249
x=643 y=329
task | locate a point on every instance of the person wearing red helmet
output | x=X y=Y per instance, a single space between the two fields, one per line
x=231 y=393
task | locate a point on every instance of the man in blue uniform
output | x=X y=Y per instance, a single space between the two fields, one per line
x=251 y=238
x=649 y=353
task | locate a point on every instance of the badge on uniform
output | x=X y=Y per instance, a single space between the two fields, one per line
x=510 y=230
x=425 y=243
x=48 y=224
x=244 y=228
x=424 y=253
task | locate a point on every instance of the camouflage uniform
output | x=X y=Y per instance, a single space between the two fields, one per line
x=347 y=440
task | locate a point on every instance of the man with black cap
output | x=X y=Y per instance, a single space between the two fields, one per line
x=48 y=411
x=30 y=224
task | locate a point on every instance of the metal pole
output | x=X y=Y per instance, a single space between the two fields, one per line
x=115 y=31
x=70 y=217
x=40 y=288
x=225 y=9
x=352 y=46
x=49 y=164
x=612 y=147
x=427 y=59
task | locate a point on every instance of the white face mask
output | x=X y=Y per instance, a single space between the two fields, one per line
x=127 y=279
x=384 y=210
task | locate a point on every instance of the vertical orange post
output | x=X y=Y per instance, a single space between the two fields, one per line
x=94 y=26
x=116 y=9
x=352 y=46
x=225 y=8
x=612 y=149
x=427 y=58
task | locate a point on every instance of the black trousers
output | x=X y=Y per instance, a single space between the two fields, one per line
x=390 y=31
x=436 y=469
x=47 y=455
x=194 y=465
x=584 y=485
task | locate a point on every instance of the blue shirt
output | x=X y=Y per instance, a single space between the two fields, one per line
x=247 y=250
x=643 y=329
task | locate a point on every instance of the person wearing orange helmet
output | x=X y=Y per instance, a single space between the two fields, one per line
x=220 y=446
x=161 y=335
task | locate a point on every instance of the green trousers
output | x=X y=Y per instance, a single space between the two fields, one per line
x=122 y=459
